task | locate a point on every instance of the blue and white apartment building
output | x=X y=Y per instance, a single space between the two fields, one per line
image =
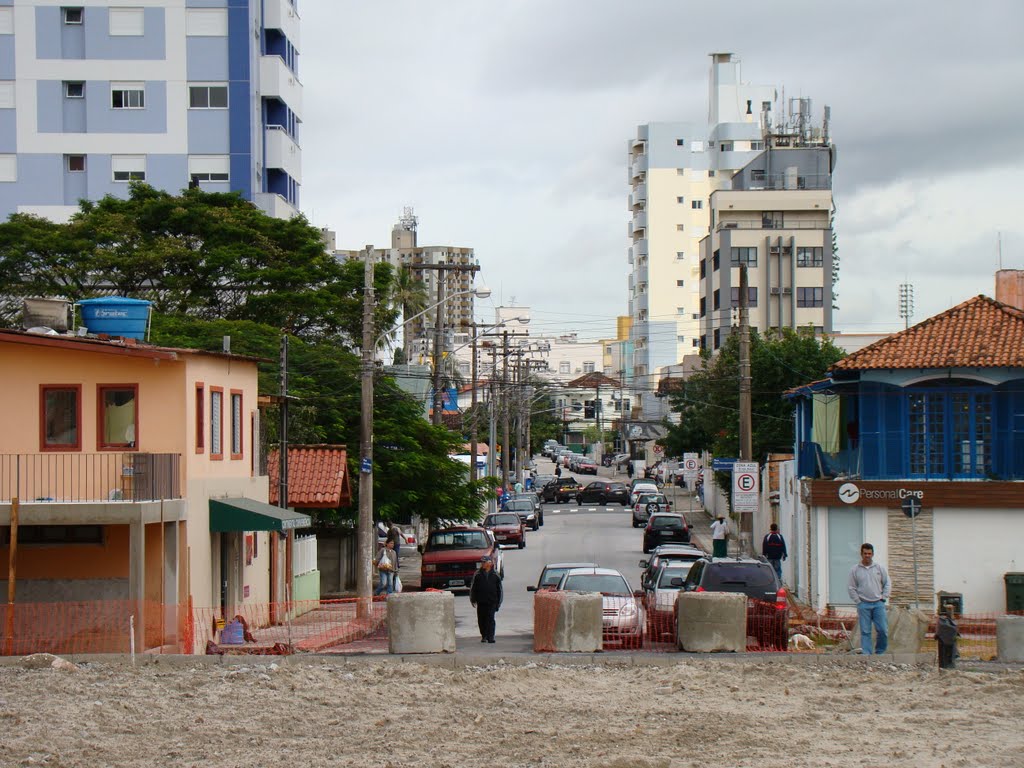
x=96 y=94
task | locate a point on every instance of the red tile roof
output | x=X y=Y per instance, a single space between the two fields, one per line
x=317 y=476
x=979 y=333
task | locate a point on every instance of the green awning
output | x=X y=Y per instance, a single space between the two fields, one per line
x=250 y=515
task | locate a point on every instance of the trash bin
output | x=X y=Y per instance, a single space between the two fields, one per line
x=1014 y=591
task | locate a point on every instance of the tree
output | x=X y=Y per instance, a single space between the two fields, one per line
x=409 y=296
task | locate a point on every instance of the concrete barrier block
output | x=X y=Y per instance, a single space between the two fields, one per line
x=1010 y=638
x=907 y=629
x=421 y=622
x=567 y=622
x=712 y=621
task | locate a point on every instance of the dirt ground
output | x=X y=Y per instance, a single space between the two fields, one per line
x=388 y=712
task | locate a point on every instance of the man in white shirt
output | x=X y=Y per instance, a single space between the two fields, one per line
x=719 y=532
x=869 y=588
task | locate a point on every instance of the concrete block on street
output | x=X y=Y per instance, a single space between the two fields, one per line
x=567 y=622
x=1010 y=638
x=421 y=622
x=907 y=629
x=709 y=622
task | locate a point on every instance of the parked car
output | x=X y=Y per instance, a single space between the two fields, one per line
x=538 y=510
x=603 y=492
x=586 y=466
x=665 y=528
x=622 y=611
x=641 y=486
x=620 y=460
x=660 y=594
x=507 y=528
x=668 y=553
x=539 y=481
x=552 y=573
x=452 y=555
x=526 y=510
x=648 y=504
x=561 y=490
x=767 y=609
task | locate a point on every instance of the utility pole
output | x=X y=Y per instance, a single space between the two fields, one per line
x=282 y=482
x=505 y=447
x=438 y=408
x=746 y=427
x=365 y=536
x=492 y=432
x=472 y=410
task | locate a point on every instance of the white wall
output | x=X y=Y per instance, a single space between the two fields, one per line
x=973 y=549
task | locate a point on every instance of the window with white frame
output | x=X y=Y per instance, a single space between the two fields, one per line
x=8 y=167
x=74 y=89
x=726 y=146
x=207 y=96
x=73 y=14
x=126 y=22
x=7 y=21
x=128 y=95
x=680 y=255
x=696 y=146
x=6 y=94
x=206 y=22
x=680 y=199
x=128 y=167
x=588 y=367
x=236 y=424
x=208 y=167
x=696 y=204
x=809 y=257
x=75 y=163
x=564 y=367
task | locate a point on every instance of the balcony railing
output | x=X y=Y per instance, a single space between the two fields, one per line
x=59 y=478
x=776 y=224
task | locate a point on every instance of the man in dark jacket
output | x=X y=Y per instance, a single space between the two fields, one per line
x=485 y=593
x=773 y=547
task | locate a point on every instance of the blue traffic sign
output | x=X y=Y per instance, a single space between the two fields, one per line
x=366 y=465
x=723 y=465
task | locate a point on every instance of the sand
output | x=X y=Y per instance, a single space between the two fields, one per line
x=386 y=712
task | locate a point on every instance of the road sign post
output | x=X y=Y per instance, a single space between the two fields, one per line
x=745 y=498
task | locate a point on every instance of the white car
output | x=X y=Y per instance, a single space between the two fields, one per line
x=623 y=613
x=643 y=486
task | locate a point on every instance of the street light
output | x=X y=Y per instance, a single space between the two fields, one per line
x=365 y=535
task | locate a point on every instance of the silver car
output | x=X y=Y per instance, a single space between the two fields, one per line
x=624 y=621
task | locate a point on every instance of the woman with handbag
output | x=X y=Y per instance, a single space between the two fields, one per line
x=387 y=564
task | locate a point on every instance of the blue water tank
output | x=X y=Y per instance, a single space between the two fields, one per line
x=116 y=316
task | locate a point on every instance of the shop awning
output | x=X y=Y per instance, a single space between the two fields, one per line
x=243 y=514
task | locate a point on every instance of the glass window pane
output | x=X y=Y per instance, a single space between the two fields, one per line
x=198 y=97
x=236 y=424
x=60 y=417
x=219 y=97
x=215 y=422
x=118 y=417
x=845 y=535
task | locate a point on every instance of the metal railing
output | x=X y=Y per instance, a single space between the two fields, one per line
x=89 y=477
x=775 y=224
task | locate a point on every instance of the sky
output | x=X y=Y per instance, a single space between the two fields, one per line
x=505 y=127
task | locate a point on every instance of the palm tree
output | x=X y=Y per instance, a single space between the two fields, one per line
x=411 y=295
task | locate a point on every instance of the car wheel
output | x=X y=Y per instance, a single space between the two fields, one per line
x=646 y=549
x=579 y=501
x=602 y=500
x=522 y=543
x=542 y=519
x=623 y=503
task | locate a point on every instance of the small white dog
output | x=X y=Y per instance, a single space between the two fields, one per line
x=799 y=641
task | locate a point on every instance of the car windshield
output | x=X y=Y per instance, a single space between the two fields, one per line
x=516 y=505
x=676 y=572
x=552 y=576
x=726 y=576
x=606 y=584
x=459 y=540
x=501 y=520
x=616 y=487
x=667 y=522
x=647 y=498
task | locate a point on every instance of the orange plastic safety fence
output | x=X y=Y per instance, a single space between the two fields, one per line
x=67 y=628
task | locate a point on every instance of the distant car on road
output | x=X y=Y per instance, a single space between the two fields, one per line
x=648 y=504
x=452 y=555
x=538 y=510
x=668 y=553
x=660 y=594
x=641 y=485
x=526 y=510
x=603 y=492
x=586 y=466
x=507 y=528
x=665 y=528
x=622 y=611
x=552 y=573
x=561 y=490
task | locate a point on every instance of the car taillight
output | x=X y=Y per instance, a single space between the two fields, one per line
x=700 y=589
x=780 y=599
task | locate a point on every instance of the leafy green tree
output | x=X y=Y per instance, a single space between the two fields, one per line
x=409 y=296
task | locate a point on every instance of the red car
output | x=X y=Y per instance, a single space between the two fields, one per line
x=452 y=555
x=507 y=528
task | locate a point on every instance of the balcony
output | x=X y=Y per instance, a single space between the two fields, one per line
x=639 y=221
x=282 y=152
x=640 y=193
x=74 y=478
x=761 y=224
x=641 y=302
x=280 y=14
x=274 y=205
x=640 y=248
x=279 y=82
x=639 y=167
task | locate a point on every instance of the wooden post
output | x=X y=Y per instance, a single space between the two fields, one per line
x=12 y=572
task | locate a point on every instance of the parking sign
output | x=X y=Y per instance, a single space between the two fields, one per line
x=745 y=486
x=690 y=465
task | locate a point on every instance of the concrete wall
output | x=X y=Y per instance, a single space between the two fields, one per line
x=712 y=621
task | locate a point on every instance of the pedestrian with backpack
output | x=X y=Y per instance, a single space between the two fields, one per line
x=773 y=547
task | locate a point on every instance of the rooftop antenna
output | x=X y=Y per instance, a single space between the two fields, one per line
x=906 y=303
x=408 y=220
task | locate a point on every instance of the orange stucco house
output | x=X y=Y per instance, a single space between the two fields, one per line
x=138 y=484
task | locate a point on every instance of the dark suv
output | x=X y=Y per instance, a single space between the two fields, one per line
x=767 y=610
x=665 y=528
x=603 y=492
x=561 y=490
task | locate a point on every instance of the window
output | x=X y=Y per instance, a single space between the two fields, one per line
x=6 y=94
x=563 y=367
x=72 y=15
x=714 y=261
x=126 y=21
x=75 y=163
x=236 y=424
x=8 y=167
x=207 y=97
x=208 y=167
x=696 y=146
x=200 y=417
x=680 y=255
x=809 y=257
x=810 y=297
x=680 y=310
x=128 y=95
x=695 y=316
x=680 y=142
x=74 y=89
x=680 y=283
x=680 y=227
x=725 y=146
x=680 y=200
x=680 y=171
x=715 y=303
x=703 y=306
x=128 y=167
x=588 y=367
x=711 y=174
x=771 y=219
x=206 y=22
x=49 y=535
x=697 y=204
x=6 y=20
x=695 y=342
x=681 y=339
x=757 y=176
x=717 y=336
x=60 y=416
x=216 y=423
x=756 y=146
x=118 y=406
x=751 y=296
x=743 y=255
x=950 y=433
x=703 y=268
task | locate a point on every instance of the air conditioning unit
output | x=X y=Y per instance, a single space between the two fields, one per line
x=776 y=291
x=787 y=291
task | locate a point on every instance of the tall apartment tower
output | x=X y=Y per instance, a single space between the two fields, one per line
x=170 y=92
x=673 y=168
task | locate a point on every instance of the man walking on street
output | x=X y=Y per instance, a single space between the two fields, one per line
x=387 y=565
x=395 y=536
x=869 y=588
x=719 y=542
x=485 y=594
x=773 y=547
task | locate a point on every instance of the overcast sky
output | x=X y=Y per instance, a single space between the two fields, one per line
x=504 y=124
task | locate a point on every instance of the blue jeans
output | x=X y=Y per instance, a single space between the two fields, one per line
x=868 y=614
x=777 y=565
x=386 y=584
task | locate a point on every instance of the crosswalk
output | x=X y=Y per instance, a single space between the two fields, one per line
x=575 y=508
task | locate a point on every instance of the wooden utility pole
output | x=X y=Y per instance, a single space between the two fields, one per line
x=282 y=485
x=746 y=427
x=365 y=536
x=505 y=447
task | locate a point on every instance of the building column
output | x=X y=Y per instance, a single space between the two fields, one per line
x=137 y=579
